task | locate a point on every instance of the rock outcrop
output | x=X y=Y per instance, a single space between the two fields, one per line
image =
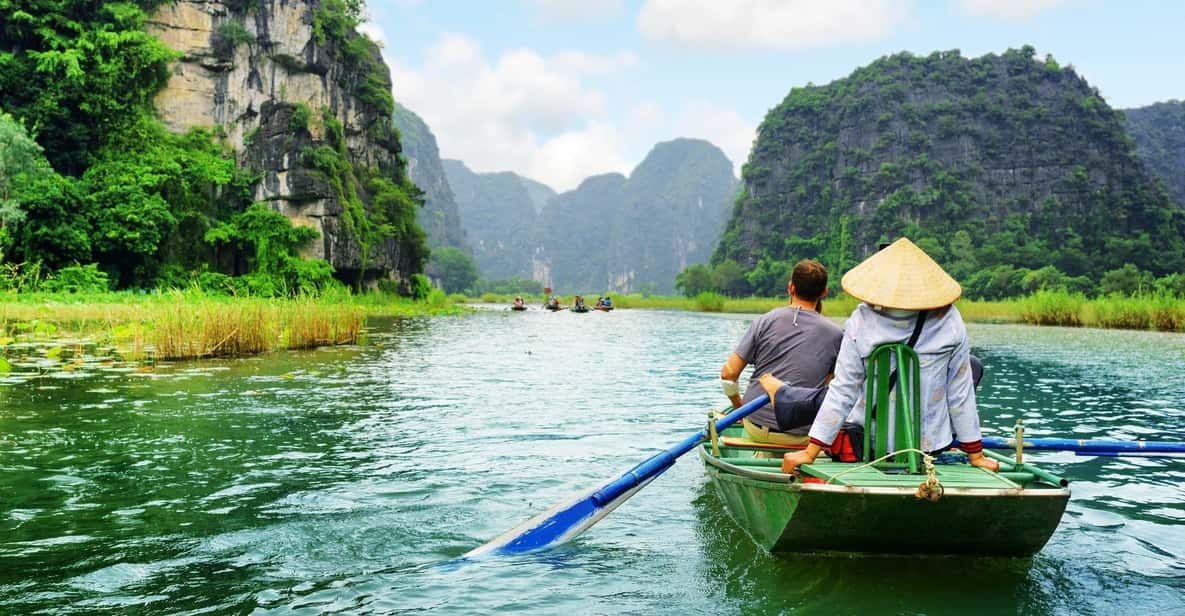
x=1159 y=133
x=627 y=235
x=1000 y=160
x=612 y=233
x=439 y=217
x=498 y=216
x=266 y=75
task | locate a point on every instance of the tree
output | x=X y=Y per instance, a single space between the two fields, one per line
x=455 y=270
x=694 y=280
x=729 y=279
x=21 y=160
x=272 y=242
x=1126 y=280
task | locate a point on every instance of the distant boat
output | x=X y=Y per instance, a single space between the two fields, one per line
x=518 y=307
x=580 y=309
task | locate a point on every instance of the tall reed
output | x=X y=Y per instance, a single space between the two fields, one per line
x=1052 y=308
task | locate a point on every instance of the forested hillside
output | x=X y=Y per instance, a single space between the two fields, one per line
x=176 y=143
x=1000 y=166
x=1159 y=133
x=439 y=217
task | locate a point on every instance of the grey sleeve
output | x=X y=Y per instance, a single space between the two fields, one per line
x=747 y=347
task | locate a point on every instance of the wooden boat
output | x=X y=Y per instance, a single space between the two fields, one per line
x=875 y=507
x=580 y=309
x=518 y=308
x=851 y=507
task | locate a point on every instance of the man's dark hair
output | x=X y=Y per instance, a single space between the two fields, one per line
x=809 y=280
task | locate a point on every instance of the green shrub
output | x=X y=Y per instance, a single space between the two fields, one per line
x=300 y=117
x=420 y=286
x=78 y=279
x=709 y=302
x=229 y=36
x=219 y=284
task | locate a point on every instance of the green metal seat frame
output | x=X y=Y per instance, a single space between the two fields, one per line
x=905 y=415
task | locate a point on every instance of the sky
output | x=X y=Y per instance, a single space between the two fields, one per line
x=559 y=90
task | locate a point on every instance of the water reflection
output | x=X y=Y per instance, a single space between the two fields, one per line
x=334 y=480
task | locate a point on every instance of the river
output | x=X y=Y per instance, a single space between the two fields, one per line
x=347 y=479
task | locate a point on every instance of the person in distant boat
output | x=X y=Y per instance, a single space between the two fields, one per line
x=553 y=303
x=794 y=345
x=518 y=303
x=608 y=302
x=906 y=297
x=600 y=303
x=578 y=304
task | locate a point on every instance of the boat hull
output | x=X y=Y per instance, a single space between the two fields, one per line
x=811 y=517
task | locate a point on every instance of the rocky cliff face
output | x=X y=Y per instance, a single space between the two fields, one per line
x=676 y=203
x=499 y=218
x=264 y=73
x=1159 y=133
x=439 y=217
x=1004 y=159
x=612 y=233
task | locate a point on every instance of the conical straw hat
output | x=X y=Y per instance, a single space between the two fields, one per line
x=901 y=276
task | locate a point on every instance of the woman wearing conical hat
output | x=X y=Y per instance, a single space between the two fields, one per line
x=900 y=286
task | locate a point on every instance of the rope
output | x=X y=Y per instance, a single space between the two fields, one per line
x=930 y=489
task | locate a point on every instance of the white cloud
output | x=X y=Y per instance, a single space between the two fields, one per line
x=575 y=10
x=523 y=112
x=374 y=32
x=588 y=64
x=723 y=127
x=1014 y=10
x=768 y=24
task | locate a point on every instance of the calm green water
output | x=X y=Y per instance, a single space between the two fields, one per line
x=338 y=480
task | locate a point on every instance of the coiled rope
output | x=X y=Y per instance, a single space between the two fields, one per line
x=930 y=489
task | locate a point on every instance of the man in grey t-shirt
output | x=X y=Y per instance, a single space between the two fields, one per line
x=795 y=344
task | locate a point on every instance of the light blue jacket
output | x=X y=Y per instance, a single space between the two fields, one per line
x=948 y=394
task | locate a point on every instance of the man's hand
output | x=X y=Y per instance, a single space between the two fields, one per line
x=976 y=459
x=771 y=384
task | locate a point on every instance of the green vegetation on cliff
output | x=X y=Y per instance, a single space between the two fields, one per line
x=1159 y=133
x=91 y=176
x=998 y=166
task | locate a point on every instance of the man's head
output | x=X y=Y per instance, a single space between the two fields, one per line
x=808 y=282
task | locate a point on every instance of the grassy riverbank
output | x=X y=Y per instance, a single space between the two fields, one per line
x=192 y=324
x=1159 y=312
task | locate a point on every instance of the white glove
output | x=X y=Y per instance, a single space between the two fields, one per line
x=730 y=388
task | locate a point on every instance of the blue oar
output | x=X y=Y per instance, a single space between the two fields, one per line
x=1089 y=447
x=571 y=517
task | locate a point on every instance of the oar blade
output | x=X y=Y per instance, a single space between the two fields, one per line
x=562 y=522
x=572 y=516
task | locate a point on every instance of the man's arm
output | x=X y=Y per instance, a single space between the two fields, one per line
x=731 y=371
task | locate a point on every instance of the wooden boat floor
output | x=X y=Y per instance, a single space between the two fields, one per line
x=951 y=476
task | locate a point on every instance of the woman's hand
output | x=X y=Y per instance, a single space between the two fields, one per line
x=791 y=461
